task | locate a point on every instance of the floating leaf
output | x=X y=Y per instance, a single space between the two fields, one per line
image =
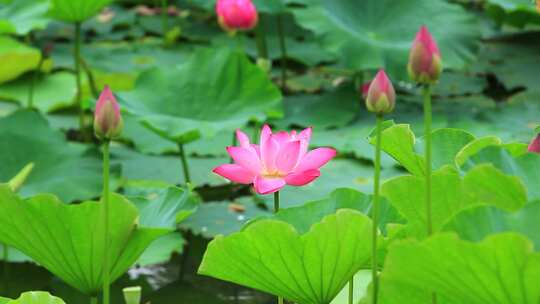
x=62 y=168
x=272 y=256
x=21 y=58
x=374 y=33
x=22 y=16
x=67 y=239
x=501 y=269
x=198 y=98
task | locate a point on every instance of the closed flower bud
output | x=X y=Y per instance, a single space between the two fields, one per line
x=132 y=295
x=534 y=146
x=425 y=65
x=108 y=122
x=381 y=97
x=236 y=15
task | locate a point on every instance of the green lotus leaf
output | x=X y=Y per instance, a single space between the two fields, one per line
x=21 y=58
x=34 y=297
x=501 y=269
x=524 y=165
x=515 y=12
x=67 y=239
x=51 y=92
x=162 y=249
x=64 y=169
x=371 y=34
x=477 y=223
x=451 y=194
x=22 y=16
x=198 y=98
x=272 y=256
x=76 y=10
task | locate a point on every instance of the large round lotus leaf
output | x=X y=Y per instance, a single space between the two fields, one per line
x=309 y=268
x=213 y=90
x=22 y=16
x=76 y=10
x=379 y=33
x=68 y=239
x=501 y=269
x=16 y=58
x=515 y=12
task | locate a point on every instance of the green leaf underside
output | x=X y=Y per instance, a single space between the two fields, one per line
x=76 y=10
x=272 y=256
x=501 y=269
x=67 y=239
x=482 y=185
x=197 y=98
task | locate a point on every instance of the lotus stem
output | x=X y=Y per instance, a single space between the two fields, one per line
x=260 y=35
x=105 y=214
x=90 y=76
x=6 y=268
x=276 y=209
x=427 y=144
x=375 y=210
x=76 y=56
x=426 y=90
x=351 y=291
x=35 y=75
x=185 y=168
x=283 y=51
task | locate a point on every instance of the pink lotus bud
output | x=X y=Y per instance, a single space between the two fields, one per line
x=108 y=122
x=425 y=65
x=381 y=97
x=534 y=146
x=236 y=15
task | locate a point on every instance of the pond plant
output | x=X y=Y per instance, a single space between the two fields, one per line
x=425 y=191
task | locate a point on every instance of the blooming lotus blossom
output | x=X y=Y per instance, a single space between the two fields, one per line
x=381 y=97
x=534 y=146
x=280 y=159
x=108 y=123
x=425 y=65
x=236 y=15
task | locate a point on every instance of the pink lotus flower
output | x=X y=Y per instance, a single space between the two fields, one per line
x=281 y=159
x=381 y=97
x=236 y=15
x=425 y=65
x=534 y=146
x=108 y=123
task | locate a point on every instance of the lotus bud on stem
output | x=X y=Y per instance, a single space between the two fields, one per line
x=425 y=68
x=108 y=125
x=381 y=100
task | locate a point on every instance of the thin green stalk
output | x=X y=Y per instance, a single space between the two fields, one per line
x=427 y=146
x=93 y=300
x=260 y=35
x=33 y=83
x=351 y=291
x=276 y=209
x=105 y=214
x=375 y=209
x=281 y=33
x=76 y=56
x=90 y=77
x=185 y=168
x=164 y=18
x=6 y=268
